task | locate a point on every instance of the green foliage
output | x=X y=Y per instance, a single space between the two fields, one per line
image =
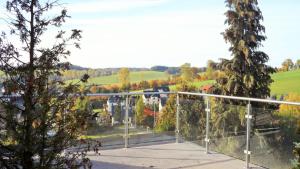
x=124 y=79
x=246 y=73
x=186 y=87
x=167 y=117
x=192 y=118
x=296 y=161
x=229 y=146
x=227 y=119
x=187 y=74
x=140 y=111
x=118 y=113
x=211 y=67
x=148 y=121
x=46 y=119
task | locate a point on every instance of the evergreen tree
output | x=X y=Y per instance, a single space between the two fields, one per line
x=247 y=72
x=44 y=118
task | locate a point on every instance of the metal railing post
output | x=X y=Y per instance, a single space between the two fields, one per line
x=177 y=119
x=247 y=151
x=126 y=123
x=207 y=125
x=154 y=118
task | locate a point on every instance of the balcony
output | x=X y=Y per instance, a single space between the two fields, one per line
x=205 y=133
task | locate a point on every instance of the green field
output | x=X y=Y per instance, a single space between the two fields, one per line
x=134 y=77
x=197 y=84
x=286 y=82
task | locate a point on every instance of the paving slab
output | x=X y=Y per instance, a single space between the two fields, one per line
x=185 y=155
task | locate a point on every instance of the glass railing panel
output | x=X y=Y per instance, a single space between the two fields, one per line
x=152 y=119
x=107 y=123
x=192 y=119
x=275 y=129
x=227 y=129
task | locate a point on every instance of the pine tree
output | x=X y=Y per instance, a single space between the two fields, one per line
x=247 y=72
x=42 y=119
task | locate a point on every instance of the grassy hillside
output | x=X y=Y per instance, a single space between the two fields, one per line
x=197 y=84
x=134 y=77
x=286 y=82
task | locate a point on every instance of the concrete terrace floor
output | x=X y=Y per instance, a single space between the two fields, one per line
x=165 y=156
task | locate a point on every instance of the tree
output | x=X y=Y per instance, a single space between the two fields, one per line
x=297 y=64
x=124 y=78
x=211 y=66
x=167 y=118
x=247 y=72
x=140 y=111
x=287 y=65
x=186 y=72
x=43 y=119
x=118 y=113
x=192 y=118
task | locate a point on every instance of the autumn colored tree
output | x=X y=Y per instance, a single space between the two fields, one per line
x=43 y=118
x=210 y=68
x=167 y=117
x=140 y=111
x=186 y=72
x=124 y=78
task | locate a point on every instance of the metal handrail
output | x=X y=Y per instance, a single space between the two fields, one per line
x=241 y=98
x=182 y=93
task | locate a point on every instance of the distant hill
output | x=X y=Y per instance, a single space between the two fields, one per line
x=76 y=67
x=174 y=70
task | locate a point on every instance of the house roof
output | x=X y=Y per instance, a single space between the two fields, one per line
x=114 y=99
x=157 y=89
x=150 y=95
x=206 y=87
x=149 y=112
x=162 y=89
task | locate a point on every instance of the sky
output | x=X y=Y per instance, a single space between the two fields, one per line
x=144 y=33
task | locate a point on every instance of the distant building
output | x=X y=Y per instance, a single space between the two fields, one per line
x=159 y=99
x=112 y=102
x=150 y=99
x=115 y=101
